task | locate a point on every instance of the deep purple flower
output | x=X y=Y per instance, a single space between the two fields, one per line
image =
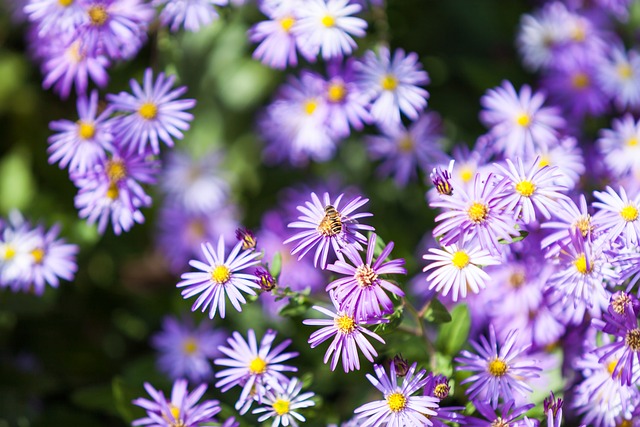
x=438 y=386
x=509 y=413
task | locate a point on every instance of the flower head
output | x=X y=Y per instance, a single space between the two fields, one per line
x=281 y=403
x=190 y=14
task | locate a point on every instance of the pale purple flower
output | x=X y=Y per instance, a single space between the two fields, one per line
x=54 y=17
x=569 y=218
x=182 y=409
x=618 y=215
x=346 y=104
x=619 y=77
x=541 y=34
x=362 y=291
x=152 y=113
x=220 y=276
x=326 y=225
x=620 y=145
x=348 y=334
x=17 y=240
x=190 y=14
x=281 y=403
x=393 y=84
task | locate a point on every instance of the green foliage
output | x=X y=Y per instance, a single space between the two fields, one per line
x=436 y=312
x=453 y=335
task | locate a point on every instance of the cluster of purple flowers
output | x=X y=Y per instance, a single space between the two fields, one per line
x=33 y=257
x=110 y=154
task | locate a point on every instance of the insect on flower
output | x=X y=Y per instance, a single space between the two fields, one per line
x=331 y=224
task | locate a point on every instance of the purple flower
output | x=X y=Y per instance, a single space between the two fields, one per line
x=362 y=291
x=497 y=373
x=191 y=14
x=220 y=276
x=186 y=350
x=620 y=145
x=508 y=414
x=619 y=77
x=399 y=407
x=251 y=367
x=348 y=335
x=438 y=386
x=54 y=17
x=570 y=219
x=282 y=401
x=151 y=113
x=618 y=215
x=327 y=225
x=182 y=409
x=82 y=144
x=393 y=84
x=112 y=190
x=345 y=102
x=567 y=156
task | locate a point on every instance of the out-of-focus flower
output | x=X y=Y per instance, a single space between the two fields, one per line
x=190 y=14
x=621 y=145
x=619 y=77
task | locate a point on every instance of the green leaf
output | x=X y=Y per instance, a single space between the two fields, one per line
x=17 y=185
x=453 y=335
x=276 y=265
x=394 y=321
x=96 y=398
x=298 y=304
x=122 y=400
x=521 y=236
x=437 y=313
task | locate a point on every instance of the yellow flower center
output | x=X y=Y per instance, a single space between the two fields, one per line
x=148 y=111
x=65 y=3
x=405 y=144
x=336 y=92
x=466 y=174
x=625 y=71
x=257 y=366
x=478 y=212
x=632 y=340
x=38 y=255
x=580 y=80
x=196 y=229
x=396 y=402
x=525 y=188
x=581 y=264
x=517 y=279
x=190 y=346
x=632 y=142
x=73 y=52
x=365 y=276
x=112 y=191
x=579 y=34
x=523 y=120
x=86 y=130
x=175 y=412
x=287 y=23
x=328 y=21
x=629 y=213
x=281 y=406
x=116 y=170
x=544 y=161
x=441 y=391
x=221 y=274
x=497 y=367
x=345 y=324
x=460 y=259
x=584 y=225
x=612 y=366
x=310 y=106
x=9 y=252
x=499 y=422
x=389 y=82
x=624 y=423
x=98 y=15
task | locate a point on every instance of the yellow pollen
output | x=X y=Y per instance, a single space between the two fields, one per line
x=221 y=274
x=584 y=225
x=86 y=130
x=460 y=259
x=175 y=412
x=612 y=366
x=148 y=111
x=281 y=406
x=73 y=52
x=287 y=23
x=116 y=171
x=581 y=264
x=345 y=324
x=65 y=3
x=336 y=92
x=624 y=423
x=189 y=346
x=9 y=252
x=478 y=212
x=523 y=120
x=580 y=80
x=497 y=367
x=98 y=15
x=629 y=213
x=632 y=340
x=328 y=21
x=526 y=188
x=196 y=229
x=365 y=276
x=38 y=255
x=405 y=144
x=544 y=161
x=466 y=174
x=578 y=33
x=441 y=391
x=389 y=82
x=499 y=422
x=517 y=279
x=632 y=142
x=396 y=402
x=625 y=71
x=310 y=106
x=257 y=366
x=113 y=192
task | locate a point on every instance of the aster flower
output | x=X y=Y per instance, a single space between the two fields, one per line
x=328 y=226
x=618 y=215
x=327 y=26
x=152 y=113
x=190 y=14
x=497 y=373
x=404 y=151
x=458 y=269
x=281 y=403
x=219 y=277
x=54 y=17
x=478 y=214
x=185 y=350
x=438 y=386
x=518 y=121
x=363 y=290
x=509 y=413
x=17 y=240
x=399 y=407
x=567 y=157
x=619 y=77
x=112 y=190
x=553 y=409
x=251 y=367
x=82 y=144
x=393 y=84
x=349 y=335
x=569 y=218
x=182 y=409
x=530 y=191
x=541 y=34
x=621 y=145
